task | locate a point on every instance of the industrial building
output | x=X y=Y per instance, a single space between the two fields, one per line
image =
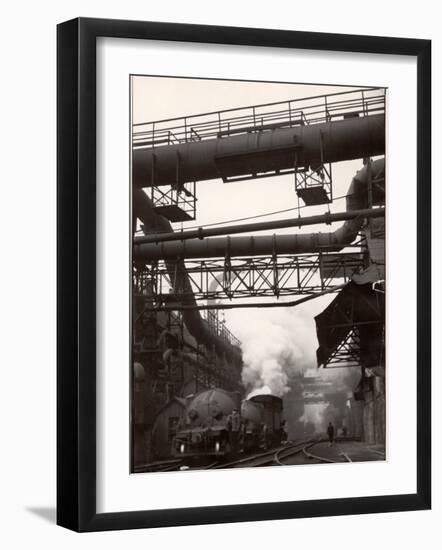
x=183 y=278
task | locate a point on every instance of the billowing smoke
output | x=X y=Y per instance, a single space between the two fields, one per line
x=279 y=355
x=277 y=344
x=266 y=377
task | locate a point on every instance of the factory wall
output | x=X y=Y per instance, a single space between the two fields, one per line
x=372 y=405
x=354 y=419
x=164 y=428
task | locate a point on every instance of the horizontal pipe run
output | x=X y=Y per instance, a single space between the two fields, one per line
x=201 y=233
x=182 y=307
x=260 y=152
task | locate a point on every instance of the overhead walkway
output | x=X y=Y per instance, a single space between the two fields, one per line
x=260 y=118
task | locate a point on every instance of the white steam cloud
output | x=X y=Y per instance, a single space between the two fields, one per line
x=276 y=343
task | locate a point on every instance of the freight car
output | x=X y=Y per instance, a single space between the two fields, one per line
x=205 y=428
x=272 y=433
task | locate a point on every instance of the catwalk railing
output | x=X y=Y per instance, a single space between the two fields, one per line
x=259 y=118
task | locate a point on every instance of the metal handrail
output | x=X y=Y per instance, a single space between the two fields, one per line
x=259 y=118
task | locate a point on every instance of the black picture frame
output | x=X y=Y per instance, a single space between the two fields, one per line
x=76 y=273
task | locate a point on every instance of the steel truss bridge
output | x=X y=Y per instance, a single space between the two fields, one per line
x=248 y=277
x=221 y=279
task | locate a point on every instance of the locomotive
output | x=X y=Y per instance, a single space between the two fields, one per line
x=205 y=430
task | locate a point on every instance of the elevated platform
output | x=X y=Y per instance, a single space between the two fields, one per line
x=314 y=195
x=173 y=213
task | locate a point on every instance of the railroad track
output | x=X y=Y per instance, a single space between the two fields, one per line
x=267 y=458
x=280 y=456
x=284 y=454
x=160 y=466
x=325 y=459
x=273 y=457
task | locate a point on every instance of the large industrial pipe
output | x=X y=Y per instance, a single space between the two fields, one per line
x=274 y=244
x=203 y=232
x=196 y=325
x=260 y=152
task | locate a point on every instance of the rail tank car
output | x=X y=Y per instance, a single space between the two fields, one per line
x=204 y=427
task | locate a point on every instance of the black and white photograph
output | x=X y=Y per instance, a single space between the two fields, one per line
x=219 y=235
x=258 y=274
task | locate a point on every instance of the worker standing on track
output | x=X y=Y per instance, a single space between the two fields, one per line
x=234 y=427
x=331 y=434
